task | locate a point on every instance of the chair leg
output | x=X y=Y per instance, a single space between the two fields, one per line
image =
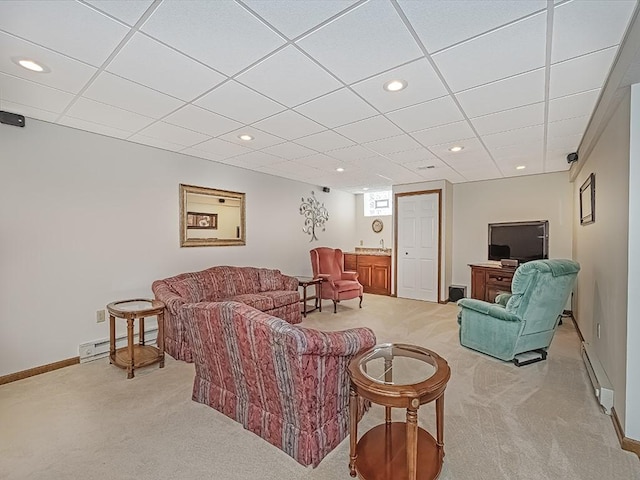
x=360 y=301
x=335 y=307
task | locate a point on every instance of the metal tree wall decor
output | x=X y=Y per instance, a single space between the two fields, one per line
x=315 y=215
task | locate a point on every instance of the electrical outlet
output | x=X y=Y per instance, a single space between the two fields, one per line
x=100 y=316
x=598 y=330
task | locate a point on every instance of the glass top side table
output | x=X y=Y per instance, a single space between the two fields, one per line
x=398 y=376
x=135 y=355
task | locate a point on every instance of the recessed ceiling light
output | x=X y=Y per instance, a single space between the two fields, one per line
x=365 y=188
x=455 y=149
x=520 y=167
x=339 y=169
x=395 y=85
x=31 y=65
x=246 y=137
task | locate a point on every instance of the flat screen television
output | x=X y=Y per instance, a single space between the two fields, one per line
x=522 y=241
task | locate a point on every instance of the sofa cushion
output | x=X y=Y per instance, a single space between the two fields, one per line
x=256 y=300
x=282 y=297
x=270 y=280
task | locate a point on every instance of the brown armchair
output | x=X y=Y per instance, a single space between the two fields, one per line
x=328 y=264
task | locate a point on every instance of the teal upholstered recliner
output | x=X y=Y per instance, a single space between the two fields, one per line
x=526 y=319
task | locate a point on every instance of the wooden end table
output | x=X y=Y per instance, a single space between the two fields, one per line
x=305 y=282
x=138 y=355
x=397 y=376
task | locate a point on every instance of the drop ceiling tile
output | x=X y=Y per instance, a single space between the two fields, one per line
x=289 y=151
x=124 y=10
x=443 y=134
x=441 y=24
x=337 y=108
x=531 y=152
x=253 y=159
x=580 y=74
x=400 y=143
x=504 y=94
x=155 y=142
x=583 y=27
x=370 y=129
x=567 y=144
x=418 y=155
x=324 y=141
x=66 y=74
x=260 y=139
x=510 y=119
x=509 y=51
x=512 y=171
x=201 y=120
x=70 y=28
x=568 y=127
x=423 y=84
x=364 y=42
x=122 y=93
x=289 y=77
x=472 y=149
x=514 y=137
x=222 y=148
x=295 y=18
x=355 y=152
x=484 y=173
x=556 y=161
x=426 y=115
x=174 y=134
x=571 y=106
x=421 y=166
x=92 y=111
x=302 y=170
x=30 y=112
x=94 y=127
x=27 y=93
x=206 y=31
x=139 y=61
x=239 y=103
x=322 y=162
x=289 y=125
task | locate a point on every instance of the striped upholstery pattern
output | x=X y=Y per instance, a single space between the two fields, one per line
x=285 y=383
x=265 y=289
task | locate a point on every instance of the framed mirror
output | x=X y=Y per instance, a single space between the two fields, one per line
x=210 y=217
x=588 y=200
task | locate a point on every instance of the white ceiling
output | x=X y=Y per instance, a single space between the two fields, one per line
x=513 y=82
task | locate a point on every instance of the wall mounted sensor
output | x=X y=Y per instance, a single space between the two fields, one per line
x=326 y=189
x=14 y=119
x=572 y=157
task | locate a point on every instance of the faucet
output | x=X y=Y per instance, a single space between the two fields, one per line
x=382 y=243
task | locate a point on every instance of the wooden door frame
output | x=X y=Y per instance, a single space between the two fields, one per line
x=395 y=234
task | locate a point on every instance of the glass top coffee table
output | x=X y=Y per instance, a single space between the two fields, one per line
x=397 y=376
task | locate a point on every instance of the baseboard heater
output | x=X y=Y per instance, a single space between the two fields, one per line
x=601 y=384
x=100 y=348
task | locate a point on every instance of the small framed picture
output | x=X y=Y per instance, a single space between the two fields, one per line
x=197 y=220
x=588 y=200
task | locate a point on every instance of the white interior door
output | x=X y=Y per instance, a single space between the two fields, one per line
x=418 y=252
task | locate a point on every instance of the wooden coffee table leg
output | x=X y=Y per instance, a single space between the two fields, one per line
x=353 y=430
x=412 y=441
x=160 y=339
x=440 y=424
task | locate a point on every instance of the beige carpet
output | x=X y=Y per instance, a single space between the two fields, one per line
x=501 y=422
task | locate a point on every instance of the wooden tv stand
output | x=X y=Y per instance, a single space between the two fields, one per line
x=489 y=279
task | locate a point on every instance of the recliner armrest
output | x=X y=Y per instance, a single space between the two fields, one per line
x=491 y=309
x=502 y=299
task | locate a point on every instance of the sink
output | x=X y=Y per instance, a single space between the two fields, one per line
x=373 y=251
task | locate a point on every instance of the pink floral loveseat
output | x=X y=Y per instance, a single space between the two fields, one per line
x=285 y=383
x=265 y=289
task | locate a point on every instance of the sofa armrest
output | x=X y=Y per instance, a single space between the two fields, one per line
x=171 y=299
x=349 y=275
x=342 y=343
x=289 y=283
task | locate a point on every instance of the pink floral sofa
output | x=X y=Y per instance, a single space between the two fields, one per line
x=265 y=289
x=285 y=383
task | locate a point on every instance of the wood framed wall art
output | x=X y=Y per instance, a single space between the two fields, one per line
x=588 y=200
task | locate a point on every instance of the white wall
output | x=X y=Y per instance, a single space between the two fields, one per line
x=632 y=420
x=533 y=197
x=601 y=250
x=87 y=219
